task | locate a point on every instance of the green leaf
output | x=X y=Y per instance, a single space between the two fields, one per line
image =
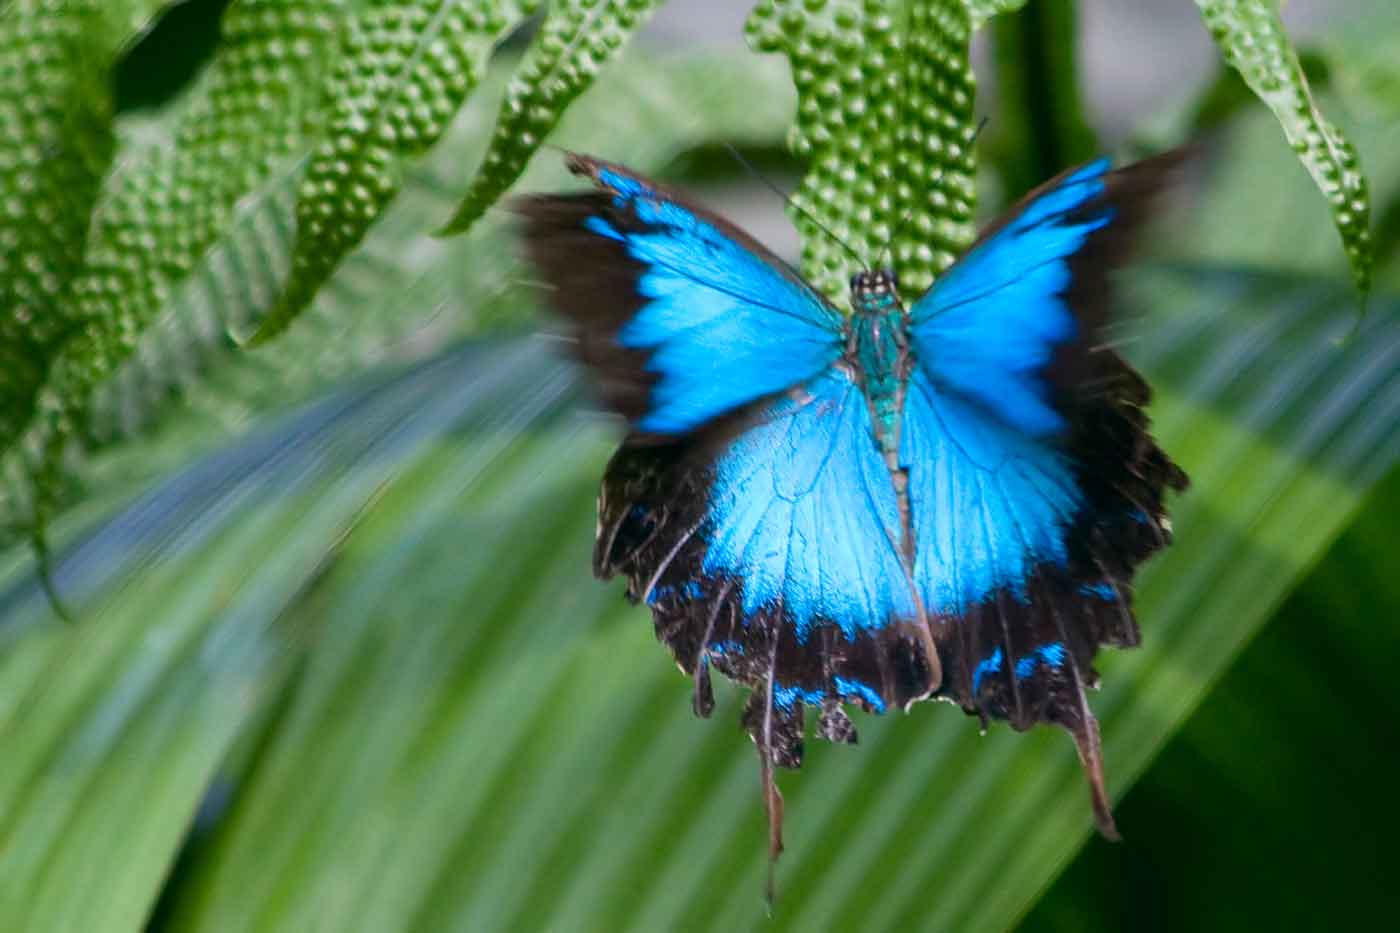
x=150 y=699
x=402 y=70
x=56 y=142
x=1261 y=183
x=983 y=10
x=1252 y=39
x=375 y=85
x=462 y=732
x=371 y=629
x=576 y=40
x=885 y=124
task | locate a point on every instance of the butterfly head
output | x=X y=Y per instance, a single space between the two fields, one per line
x=874 y=291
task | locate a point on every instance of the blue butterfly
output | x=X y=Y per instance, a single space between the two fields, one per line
x=946 y=499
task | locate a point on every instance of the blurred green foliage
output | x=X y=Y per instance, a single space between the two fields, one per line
x=337 y=662
x=1298 y=823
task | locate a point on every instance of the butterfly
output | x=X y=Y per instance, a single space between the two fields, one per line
x=946 y=499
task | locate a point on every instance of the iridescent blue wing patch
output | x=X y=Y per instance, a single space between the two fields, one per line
x=769 y=549
x=682 y=316
x=1034 y=486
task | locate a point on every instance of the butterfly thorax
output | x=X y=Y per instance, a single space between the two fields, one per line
x=878 y=349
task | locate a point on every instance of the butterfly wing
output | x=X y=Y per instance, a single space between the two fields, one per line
x=1034 y=486
x=681 y=316
x=770 y=551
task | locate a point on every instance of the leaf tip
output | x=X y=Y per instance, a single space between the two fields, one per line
x=267 y=328
x=461 y=220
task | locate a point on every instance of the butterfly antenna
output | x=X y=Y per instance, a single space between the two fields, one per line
x=899 y=228
x=788 y=200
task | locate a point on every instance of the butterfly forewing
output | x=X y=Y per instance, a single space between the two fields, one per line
x=681 y=317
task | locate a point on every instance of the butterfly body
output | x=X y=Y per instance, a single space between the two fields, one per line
x=941 y=499
x=878 y=347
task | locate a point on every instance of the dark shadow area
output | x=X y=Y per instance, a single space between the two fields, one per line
x=168 y=57
x=1275 y=807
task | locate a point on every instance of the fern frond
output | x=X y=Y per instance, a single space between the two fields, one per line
x=885 y=122
x=56 y=143
x=575 y=41
x=1252 y=39
x=403 y=69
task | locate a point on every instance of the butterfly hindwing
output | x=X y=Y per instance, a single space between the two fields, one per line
x=770 y=551
x=682 y=317
x=1035 y=487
